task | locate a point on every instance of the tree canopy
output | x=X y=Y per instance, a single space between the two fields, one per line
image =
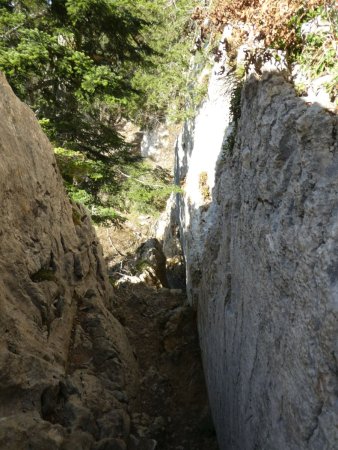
x=81 y=65
x=70 y=61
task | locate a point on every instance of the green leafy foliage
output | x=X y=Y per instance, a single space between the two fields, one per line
x=147 y=189
x=69 y=60
x=317 y=51
x=109 y=192
x=165 y=82
x=318 y=56
x=81 y=65
x=235 y=110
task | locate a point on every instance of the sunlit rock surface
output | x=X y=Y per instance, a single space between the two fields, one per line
x=261 y=250
x=199 y=150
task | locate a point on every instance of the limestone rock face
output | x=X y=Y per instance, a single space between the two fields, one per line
x=157 y=144
x=198 y=154
x=266 y=257
x=63 y=356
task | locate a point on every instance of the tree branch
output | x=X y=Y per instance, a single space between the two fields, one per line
x=139 y=181
x=29 y=17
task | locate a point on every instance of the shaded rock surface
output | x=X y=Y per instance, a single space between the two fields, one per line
x=168 y=234
x=171 y=409
x=64 y=358
x=69 y=378
x=263 y=271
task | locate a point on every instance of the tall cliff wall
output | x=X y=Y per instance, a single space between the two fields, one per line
x=65 y=362
x=259 y=231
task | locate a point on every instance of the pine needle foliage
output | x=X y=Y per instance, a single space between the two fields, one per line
x=82 y=65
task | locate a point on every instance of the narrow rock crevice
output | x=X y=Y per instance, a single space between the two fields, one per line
x=171 y=406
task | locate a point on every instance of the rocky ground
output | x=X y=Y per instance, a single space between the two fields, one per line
x=170 y=410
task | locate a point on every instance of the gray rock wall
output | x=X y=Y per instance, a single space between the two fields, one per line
x=267 y=290
x=157 y=144
x=65 y=362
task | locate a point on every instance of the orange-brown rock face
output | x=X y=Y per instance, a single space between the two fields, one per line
x=65 y=362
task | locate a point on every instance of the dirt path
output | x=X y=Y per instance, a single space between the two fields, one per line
x=171 y=410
